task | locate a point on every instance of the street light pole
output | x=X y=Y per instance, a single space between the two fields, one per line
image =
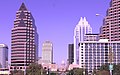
x=84 y=69
x=110 y=50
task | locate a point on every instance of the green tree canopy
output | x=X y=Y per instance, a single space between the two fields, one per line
x=104 y=67
x=76 y=71
x=17 y=72
x=103 y=72
x=116 y=68
x=35 y=69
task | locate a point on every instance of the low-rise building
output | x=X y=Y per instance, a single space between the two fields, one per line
x=51 y=67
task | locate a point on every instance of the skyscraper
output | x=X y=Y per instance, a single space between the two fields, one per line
x=24 y=42
x=3 y=56
x=70 y=53
x=80 y=30
x=111 y=24
x=47 y=52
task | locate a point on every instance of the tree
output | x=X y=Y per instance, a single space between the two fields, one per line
x=76 y=71
x=116 y=68
x=104 y=67
x=20 y=72
x=17 y=72
x=35 y=69
x=70 y=72
x=103 y=72
x=53 y=73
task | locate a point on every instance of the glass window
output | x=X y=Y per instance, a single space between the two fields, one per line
x=90 y=57
x=90 y=50
x=102 y=53
x=81 y=46
x=90 y=45
x=118 y=46
x=102 y=57
x=90 y=54
x=86 y=57
x=98 y=60
x=86 y=50
x=98 y=53
x=86 y=46
x=90 y=60
x=114 y=46
x=102 y=46
x=94 y=44
x=102 y=60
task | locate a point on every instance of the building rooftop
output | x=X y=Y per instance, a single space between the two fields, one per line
x=91 y=34
x=3 y=45
x=23 y=7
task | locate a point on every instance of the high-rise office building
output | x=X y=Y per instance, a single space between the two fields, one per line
x=111 y=23
x=80 y=30
x=24 y=39
x=94 y=54
x=70 y=53
x=47 y=52
x=3 y=56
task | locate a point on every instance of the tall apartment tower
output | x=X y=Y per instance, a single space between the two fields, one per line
x=3 y=56
x=111 y=25
x=70 y=53
x=24 y=39
x=80 y=30
x=47 y=52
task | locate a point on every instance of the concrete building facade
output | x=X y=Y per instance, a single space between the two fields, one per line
x=94 y=54
x=47 y=52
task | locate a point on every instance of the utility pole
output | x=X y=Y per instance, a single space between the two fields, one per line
x=84 y=69
x=110 y=50
x=110 y=60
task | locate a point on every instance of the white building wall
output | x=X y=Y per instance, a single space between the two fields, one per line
x=96 y=53
x=47 y=52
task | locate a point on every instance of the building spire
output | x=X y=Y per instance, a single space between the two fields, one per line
x=80 y=21
x=84 y=19
x=23 y=7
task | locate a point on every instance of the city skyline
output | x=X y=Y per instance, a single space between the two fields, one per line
x=52 y=19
